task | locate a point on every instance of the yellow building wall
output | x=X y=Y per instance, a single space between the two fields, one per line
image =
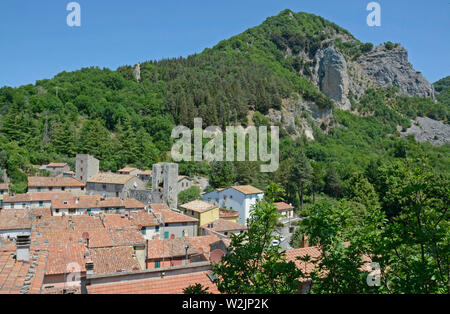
x=209 y=216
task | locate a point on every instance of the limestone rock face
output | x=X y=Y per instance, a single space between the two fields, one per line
x=332 y=76
x=429 y=130
x=391 y=67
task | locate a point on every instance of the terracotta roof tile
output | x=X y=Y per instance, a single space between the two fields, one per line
x=247 y=189
x=171 y=216
x=111 y=178
x=15 y=219
x=222 y=225
x=53 y=182
x=57 y=165
x=283 y=206
x=114 y=259
x=199 y=206
x=167 y=285
x=61 y=256
x=167 y=248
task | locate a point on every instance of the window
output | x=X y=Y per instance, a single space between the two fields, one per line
x=63 y=188
x=157 y=228
x=57 y=211
x=166 y=235
x=50 y=189
x=104 y=186
x=41 y=204
x=157 y=264
x=38 y=189
x=143 y=230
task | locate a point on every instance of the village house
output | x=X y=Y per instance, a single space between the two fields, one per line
x=113 y=185
x=228 y=214
x=21 y=268
x=58 y=184
x=169 y=253
x=56 y=169
x=129 y=171
x=224 y=227
x=94 y=204
x=238 y=198
x=4 y=190
x=184 y=183
x=173 y=224
x=15 y=222
x=145 y=176
x=34 y=200
x=203 y=211
x=285 y=210
x=154 y=281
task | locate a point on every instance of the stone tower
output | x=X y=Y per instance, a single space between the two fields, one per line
x=165 y=184
x=86 y=166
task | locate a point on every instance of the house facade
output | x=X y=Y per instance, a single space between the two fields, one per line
x=204 y=212
x=184 y=183
x=58 y=184
x=113 y=185
x=237 y=198
x=56 y=169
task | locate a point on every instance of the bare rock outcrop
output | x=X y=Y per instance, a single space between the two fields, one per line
x=391 y=67
x=332 y=76
x=429 y=130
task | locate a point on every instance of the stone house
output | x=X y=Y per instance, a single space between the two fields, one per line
x=56 y=169
x=113 y=185
x=58 y=184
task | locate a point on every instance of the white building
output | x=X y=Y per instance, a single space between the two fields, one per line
x=238 y=198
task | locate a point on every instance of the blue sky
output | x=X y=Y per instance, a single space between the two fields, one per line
x=36 y=43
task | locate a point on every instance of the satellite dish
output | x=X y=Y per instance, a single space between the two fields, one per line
x=85 y=235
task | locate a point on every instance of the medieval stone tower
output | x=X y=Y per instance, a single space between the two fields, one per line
x=165 y=184
x=86 y=167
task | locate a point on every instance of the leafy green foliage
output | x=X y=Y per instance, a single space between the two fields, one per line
x=189 y=195
x=252 y=265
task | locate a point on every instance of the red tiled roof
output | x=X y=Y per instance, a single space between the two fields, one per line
x=281 y=206
x=203 y=244
x=294 y=254
x=115 y=221
x=37 y=197
x=222 y=225
x=247 y=189
x=15 y=219
x=114 y=259
x=17 y=277
x=143 y=219
x=57 y=165
x=53 y=182
x=167 y=285
x=169 y=216
x=226 y=213
x=199 y=206
x=111 y=178
x=4 y=186
x=62 y=258
x=167 y=248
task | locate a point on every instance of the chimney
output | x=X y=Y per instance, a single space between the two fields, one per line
x=90 y=268
x=23 y=248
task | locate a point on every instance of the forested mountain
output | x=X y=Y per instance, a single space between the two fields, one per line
x=296 y=70
x=442 y=88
